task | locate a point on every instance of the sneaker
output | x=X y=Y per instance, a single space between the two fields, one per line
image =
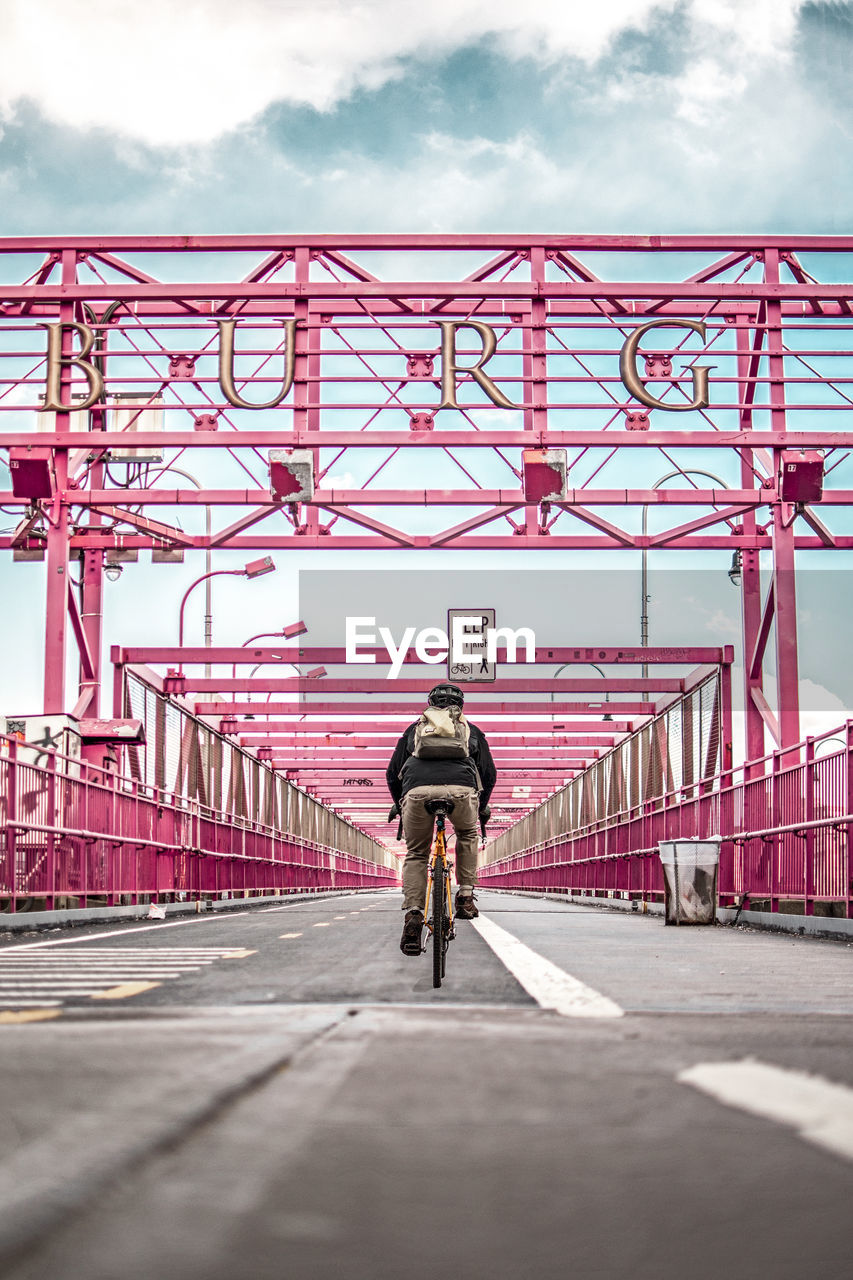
x=465 y=906
x=410 y=943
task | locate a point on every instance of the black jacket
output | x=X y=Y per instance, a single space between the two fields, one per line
x=453 y=773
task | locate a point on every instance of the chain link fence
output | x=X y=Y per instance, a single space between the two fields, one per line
x=679 y=750
x=189 y=759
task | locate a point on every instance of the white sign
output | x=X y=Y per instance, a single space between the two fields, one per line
x=43 y=734
x=472 y=666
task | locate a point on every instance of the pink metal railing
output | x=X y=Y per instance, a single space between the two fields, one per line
x=786 y=825
x=63 y=835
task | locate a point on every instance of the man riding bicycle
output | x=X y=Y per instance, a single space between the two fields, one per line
x=464 y=773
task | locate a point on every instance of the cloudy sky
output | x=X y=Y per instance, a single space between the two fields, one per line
x=554 y=115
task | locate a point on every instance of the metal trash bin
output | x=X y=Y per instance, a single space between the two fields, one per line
x=690 y=879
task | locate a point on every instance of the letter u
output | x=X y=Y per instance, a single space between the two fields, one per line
x=226 y=365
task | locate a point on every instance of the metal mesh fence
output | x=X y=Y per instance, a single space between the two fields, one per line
x=679 y=750
x=190 y=760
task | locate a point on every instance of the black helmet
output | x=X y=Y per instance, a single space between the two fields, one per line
x=446 y=695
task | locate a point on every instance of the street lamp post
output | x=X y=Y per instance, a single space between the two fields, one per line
x=562 y=667
x=255 y=569
x=644 y=570
x=289 y=632
x=596 y=667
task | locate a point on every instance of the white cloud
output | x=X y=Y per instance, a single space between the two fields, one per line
x=761 y=28
x=726 y=626
x=730 y=43
x=340 y=480
x=175 y=74
x=820 y=709
x=706 y=86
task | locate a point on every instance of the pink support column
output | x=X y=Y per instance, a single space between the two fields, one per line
x=11 y=842
x=750 y=573
x=785 y=595
x=784 y=586
x=811 y=781
x=91 y=616
x=56 y=608
x=91 y=603
x=535 y=368
x=56 y=611
x=726 y=753
x=306 y=377
x=847 y=796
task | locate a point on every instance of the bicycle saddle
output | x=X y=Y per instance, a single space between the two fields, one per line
x=438 y=806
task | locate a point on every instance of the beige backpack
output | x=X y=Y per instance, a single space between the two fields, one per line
x=442 y=733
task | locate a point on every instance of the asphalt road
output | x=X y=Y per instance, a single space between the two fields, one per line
x=278 y=1092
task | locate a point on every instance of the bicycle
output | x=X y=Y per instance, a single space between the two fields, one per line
x=440 y=923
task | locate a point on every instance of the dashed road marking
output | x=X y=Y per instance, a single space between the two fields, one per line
x=28 y=1015
x=323 y=924
x=126 y=989
x=820 y=1111
x=550 y=986
x=290 y=935
x=29 y=1003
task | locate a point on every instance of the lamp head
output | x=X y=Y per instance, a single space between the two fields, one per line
x=257 y=568
x=735 y=568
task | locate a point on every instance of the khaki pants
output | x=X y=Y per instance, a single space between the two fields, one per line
x=418 y=828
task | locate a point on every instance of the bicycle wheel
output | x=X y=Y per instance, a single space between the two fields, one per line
x=438 y=895
x=446 y=924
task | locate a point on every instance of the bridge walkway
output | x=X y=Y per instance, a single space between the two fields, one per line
x=286 y=1094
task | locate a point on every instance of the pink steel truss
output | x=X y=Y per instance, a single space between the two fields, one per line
x=445 y=357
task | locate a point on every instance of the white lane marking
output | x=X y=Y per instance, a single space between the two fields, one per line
x=94 y=966
x=339 y=917
x=119 y=933
x=290 y=935
x=100 y=963
x=57 y=985
x=89 y=964
x=28 y=1004
x=151 y=950
x=323 y=924
x=32 y=996
x=183 y=953
x=550 y=986
x=820 y=1111
x=172 y=967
